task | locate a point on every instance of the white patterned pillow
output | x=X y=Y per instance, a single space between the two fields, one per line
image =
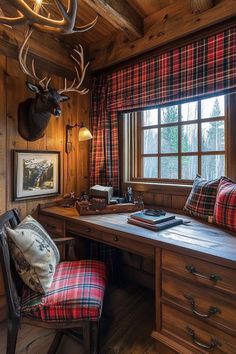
x=34 y=253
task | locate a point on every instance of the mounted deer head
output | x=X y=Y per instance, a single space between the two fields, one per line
x=42 y=20
x=34 y=114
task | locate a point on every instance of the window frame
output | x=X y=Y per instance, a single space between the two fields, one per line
x=131 y=164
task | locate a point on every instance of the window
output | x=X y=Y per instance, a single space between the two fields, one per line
x=175 y=143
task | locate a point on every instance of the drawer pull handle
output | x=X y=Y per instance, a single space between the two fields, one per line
x=50 y=226
x=211 y=311
x=115 y=238
x=213 y=344
x=212 y=277
x=88 y=230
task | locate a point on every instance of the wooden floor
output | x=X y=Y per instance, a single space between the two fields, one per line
x=125 y=329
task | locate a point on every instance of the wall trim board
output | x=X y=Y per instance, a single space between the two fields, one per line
x=3 y=140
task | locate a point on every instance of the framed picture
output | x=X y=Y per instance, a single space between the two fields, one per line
x=36 y=174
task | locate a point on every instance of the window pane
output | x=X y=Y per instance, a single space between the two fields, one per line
x=150 y=167
x=189 y=111
x=213 y=166
x=150 y=137
x=189 y=167
x=169 y=167
x=213 y=107
x=150 y=117
x=169 y=114
x=213 y=136
x=189 y=141
x=169 y=139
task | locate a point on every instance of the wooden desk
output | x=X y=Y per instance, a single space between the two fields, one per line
x=195 y=275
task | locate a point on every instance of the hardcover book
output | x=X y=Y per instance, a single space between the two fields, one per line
x=141 y=216
x=156 y=227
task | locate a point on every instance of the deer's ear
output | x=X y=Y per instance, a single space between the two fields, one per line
x=64 y=98
x=32 y=87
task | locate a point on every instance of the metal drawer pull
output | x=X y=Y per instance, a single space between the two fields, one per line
x=88 y=230
x=213 y=277
x=214 y=343
x=211 y=311
x=50 y=226
x=115 y=238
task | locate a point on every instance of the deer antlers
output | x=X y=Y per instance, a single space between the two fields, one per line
x=32 y=17
x=22 y=57
x=44 y=82
x=74 y=87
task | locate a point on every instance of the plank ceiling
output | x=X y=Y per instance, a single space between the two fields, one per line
x=105 y=29
x=86 y=13
x=127 y=28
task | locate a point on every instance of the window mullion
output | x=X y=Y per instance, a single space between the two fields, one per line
x=179 y=144
x=199 y=138
x=139 y=146
x=159 y=144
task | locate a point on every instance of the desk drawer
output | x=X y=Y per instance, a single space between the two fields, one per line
x=52 y=225
x=199 y=271
x=200 y=336
x=88 y=231
x=205 y=304
x=128 y=244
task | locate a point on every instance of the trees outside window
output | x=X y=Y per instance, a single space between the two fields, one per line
x=177 y=142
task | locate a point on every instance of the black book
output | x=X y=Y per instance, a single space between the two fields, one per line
x=151 y=219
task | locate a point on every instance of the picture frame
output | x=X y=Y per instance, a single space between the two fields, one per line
x=36 y=174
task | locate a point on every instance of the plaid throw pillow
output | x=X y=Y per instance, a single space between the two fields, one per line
x=225 y=207
x=201 y=201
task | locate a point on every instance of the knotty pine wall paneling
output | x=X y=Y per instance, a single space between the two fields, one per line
x=3 y=166
x=73 y=166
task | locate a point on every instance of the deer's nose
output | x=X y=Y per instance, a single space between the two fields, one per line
x=57 y=112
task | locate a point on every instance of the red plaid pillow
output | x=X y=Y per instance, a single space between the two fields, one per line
x=225 y=207
x=201 y=200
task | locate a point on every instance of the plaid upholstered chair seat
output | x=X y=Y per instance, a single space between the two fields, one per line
x=72 y=303
x=76 y=294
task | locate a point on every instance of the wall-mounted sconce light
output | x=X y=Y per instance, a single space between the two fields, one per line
x=83 y=135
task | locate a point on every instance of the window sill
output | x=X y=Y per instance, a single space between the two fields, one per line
x=163 y=188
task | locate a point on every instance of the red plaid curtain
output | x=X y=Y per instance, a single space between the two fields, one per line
x=104 y=126
x=204 y=68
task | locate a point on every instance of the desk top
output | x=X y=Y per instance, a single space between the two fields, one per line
x=195 y=236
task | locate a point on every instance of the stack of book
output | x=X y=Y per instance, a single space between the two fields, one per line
x=155 y=223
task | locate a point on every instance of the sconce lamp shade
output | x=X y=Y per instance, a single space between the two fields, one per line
x=84 y=134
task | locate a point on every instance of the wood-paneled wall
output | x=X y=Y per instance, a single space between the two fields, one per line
x=74 y=166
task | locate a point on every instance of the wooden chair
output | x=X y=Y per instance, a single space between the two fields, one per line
x=15 y=290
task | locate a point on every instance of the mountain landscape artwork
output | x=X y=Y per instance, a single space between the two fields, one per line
x=36 y=174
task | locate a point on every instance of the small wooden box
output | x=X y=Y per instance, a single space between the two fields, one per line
x=101 y=192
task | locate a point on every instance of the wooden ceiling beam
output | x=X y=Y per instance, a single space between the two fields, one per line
x=165 y=26
x=45 y=47
x=120 y=14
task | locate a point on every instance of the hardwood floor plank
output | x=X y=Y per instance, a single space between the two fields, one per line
x=126 y=325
